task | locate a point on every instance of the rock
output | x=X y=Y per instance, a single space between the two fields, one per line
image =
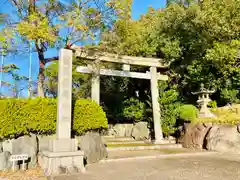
x=4 y=161
x=26 y=145
x=223 y=138
x=195 y=134
x=120 y=130
x=140 y=131
x=7 y=145
x=93 y=147
x=238 y=127
x=128 y=130
x=1 y=147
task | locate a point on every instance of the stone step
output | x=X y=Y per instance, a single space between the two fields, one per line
x=113 y=138
x=133 y=147
x=139 y=142
x=147 y=153
x=126 y=142
x=152 y=154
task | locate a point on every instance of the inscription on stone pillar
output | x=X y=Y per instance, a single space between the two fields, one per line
x=64 y=94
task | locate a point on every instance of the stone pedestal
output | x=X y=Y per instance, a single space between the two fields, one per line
x=62 y=157
x=56 y=163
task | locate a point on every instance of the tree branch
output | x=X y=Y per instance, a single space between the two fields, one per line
x=47 y=60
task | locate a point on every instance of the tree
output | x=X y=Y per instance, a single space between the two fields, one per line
x=17 y=80
x=55 y=24
x=201 y=40
x=80 y=82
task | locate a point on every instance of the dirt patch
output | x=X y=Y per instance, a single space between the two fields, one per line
x=31 y=174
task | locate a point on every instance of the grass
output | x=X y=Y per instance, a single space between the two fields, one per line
x=224 y=115
x=130 y=145
x=119 y=141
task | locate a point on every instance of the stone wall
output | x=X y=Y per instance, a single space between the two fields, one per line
x=138 y=131
x=33 y=145
x=214 y=137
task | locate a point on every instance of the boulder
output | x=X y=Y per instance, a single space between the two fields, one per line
x=4 y=161
x=7 y=145
x=1 y=147
x=120 y=130
x=93 y=147
x=238 y=127
x=26 y=145
x=140 y=131
x=194 y=135
x=223 y=138
x=128 y=130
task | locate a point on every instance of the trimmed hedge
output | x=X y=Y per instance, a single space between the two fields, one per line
x=188 y=112
x=224 y=115
x=38 y=116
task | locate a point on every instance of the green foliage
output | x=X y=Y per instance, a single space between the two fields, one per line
x=80 y=82
x=188 y=112
x=224 y=115
x=199 y=38
x=22 y=116
x=134 y=109
x=169 y=104
x=88 y=115
x=212 y=104
x=36 y=26
x=230 y=95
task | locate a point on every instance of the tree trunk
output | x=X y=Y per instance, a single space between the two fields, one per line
x=41 y=76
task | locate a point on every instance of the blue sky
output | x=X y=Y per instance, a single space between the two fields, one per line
x=22 y=61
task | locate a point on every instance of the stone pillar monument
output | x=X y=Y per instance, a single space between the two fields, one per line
x=155 y=106
x=62 y=155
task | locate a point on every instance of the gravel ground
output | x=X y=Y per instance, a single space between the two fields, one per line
x=214 y=167
x=207 y=167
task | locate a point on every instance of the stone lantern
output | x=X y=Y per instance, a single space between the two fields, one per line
x=203 y=100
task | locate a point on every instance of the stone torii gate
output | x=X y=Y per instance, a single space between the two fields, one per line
x=62 y=154
x=126 y=62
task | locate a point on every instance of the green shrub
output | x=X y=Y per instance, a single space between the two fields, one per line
x=224 y=115
x=169 y=101
x=88 y=116
x=230 y=95
x=212 y=104
x=19 y=117
x=188 y=112
x=134 y=109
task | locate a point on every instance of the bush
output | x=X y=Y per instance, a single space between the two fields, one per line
x=224 y=115
x=24 y=116
x=188 y=112
x=212 y=104
x=134 y=109
x=88 y=116
x=169 y=101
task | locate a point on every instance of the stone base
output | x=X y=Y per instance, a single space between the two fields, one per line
x=63 y=145
x=61 y=157
x=164 y=141
x=56 y=163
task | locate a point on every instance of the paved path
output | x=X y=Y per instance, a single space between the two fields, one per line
x=214 y=167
